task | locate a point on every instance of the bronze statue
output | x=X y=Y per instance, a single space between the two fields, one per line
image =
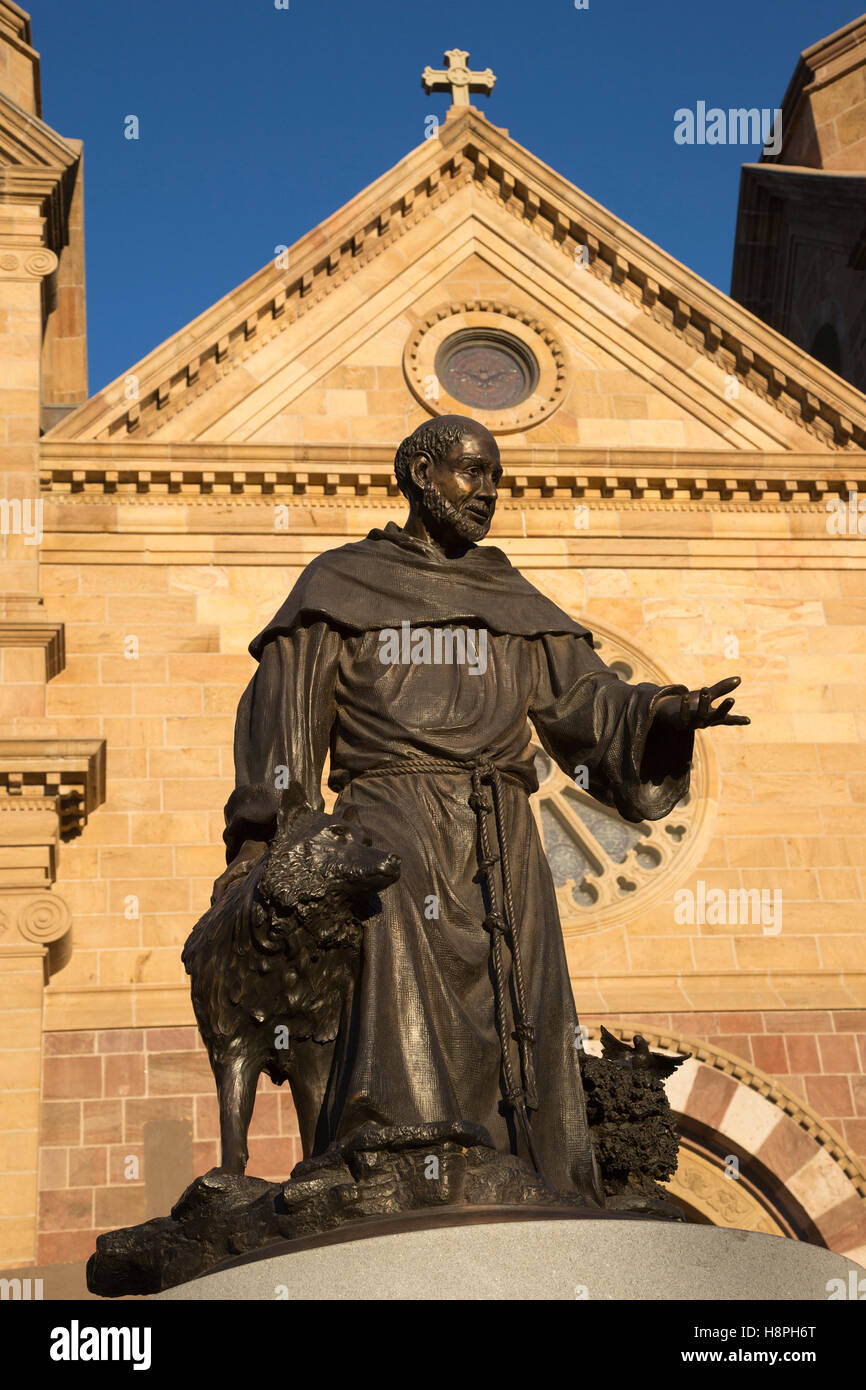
x=419 y=659
x=401 y=961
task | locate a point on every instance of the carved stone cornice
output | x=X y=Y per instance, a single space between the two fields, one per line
x=326 y=472
x=37 y=167
x=26 y=263
x=68 y=774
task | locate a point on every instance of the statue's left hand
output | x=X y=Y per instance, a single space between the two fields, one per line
x=248 y=855
x=696 y=709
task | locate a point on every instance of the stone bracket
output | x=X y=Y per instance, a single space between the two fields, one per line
x=48 y=635
x=67 y=774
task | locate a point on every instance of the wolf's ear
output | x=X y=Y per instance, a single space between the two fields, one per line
x=293 y=805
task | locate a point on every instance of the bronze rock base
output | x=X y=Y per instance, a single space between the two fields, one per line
x=377 y=1172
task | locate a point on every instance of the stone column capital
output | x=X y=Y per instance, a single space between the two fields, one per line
x=40 y=918
x=26 y=262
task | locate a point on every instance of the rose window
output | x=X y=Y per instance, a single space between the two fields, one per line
x=487 y=368
x=604 y=867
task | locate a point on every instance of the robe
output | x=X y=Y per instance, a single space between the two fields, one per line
x=419 y=1042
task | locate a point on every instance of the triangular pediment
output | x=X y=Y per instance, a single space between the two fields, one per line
x=317 y=348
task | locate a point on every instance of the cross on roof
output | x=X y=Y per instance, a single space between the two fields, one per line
x=457 y=78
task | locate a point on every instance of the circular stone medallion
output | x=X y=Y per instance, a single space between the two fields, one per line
x=498 y=360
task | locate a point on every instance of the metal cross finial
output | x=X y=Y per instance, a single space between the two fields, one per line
x=457 y=78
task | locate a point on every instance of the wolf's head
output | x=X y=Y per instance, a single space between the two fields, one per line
x=322 y=871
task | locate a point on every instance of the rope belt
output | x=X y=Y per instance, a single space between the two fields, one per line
x=501 y=925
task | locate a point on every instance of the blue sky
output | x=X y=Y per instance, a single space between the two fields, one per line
x=256 y=123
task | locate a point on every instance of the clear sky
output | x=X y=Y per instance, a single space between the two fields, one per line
x=258 y=122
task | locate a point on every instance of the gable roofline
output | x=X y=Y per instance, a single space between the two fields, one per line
x=470 y=150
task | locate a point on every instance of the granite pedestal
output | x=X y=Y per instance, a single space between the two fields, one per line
x=529 y=1259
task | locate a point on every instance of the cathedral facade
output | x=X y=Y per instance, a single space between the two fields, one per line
x=679 y=475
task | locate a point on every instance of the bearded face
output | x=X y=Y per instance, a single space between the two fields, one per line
x=452 y=481
x=469 y=520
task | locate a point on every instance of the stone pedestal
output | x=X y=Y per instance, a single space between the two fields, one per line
x=534 y=1258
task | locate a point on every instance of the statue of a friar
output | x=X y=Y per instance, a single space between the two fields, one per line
x=421 y=661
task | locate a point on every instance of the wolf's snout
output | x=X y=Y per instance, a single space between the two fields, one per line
x=382 y=870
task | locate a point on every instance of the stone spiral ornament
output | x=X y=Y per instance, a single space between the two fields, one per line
x=28 y=263
x=43 y=919
x=41 y=263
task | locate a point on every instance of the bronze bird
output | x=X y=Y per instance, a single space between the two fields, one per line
x=639 y=1057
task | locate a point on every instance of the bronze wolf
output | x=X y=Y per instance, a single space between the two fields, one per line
x=272 y=961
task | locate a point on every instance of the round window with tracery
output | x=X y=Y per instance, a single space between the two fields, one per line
x=486 y=368
x=605 y=869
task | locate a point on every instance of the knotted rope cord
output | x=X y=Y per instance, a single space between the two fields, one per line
x=524 y=1028
x=523 y=1098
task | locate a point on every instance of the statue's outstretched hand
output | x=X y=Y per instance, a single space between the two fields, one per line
x=696 y=709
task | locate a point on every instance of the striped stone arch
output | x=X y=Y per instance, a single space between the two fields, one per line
x=794 y=1175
